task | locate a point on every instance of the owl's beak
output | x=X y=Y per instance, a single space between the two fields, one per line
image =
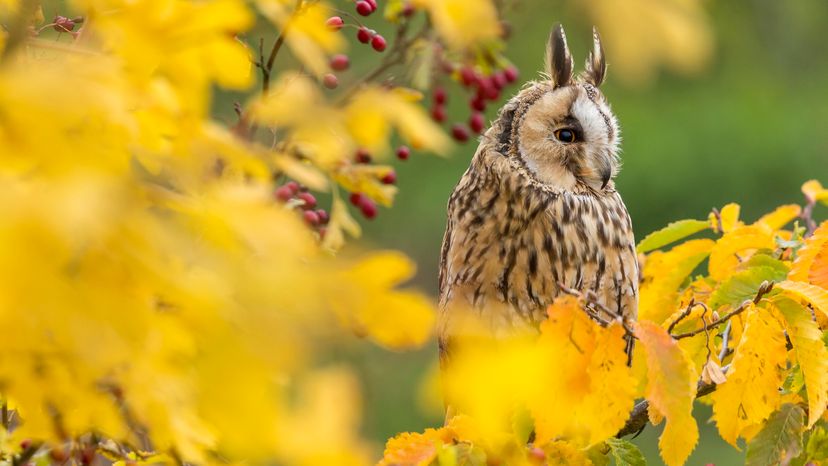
x=606 y=175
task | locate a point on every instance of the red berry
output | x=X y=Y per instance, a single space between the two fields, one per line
x=87 y=455
x=459 y=132
x=364 y=8
x=25 y=443
x=324 y=218
x=499 y=80
x=468 y=76
x=362 y=156
x=438 y=113
x=311 y=218
x=364 y=34
x=63 y=24
x=368 y=208
x=310 y=201
x=58 y=455
x=476 y=122
x=378 y=42
x=356 y=199
x=478 y=103
x=489 y=91
x=403 y=152
x=511 y=74
x=340 y=62
x=284 y=193
x=389 y=178
x=440 y=96
x=330 y=81
x=334 y=23
x=293 y=186
x=373 y=4
x=408 y=10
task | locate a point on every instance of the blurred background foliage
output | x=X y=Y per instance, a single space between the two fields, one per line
x=718 y=102
x=744 y=122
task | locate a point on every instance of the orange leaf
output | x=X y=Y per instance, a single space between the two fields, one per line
x=414 y=449
x=671 y=389
x=811 y=264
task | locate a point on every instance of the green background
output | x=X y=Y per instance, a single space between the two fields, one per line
x=750 y=128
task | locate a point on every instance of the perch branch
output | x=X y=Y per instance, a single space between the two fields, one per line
x=639 y=416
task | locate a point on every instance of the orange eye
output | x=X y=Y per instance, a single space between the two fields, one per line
x=565 y=135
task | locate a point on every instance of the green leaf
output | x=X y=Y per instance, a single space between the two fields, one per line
x=625 y=453
x=780 y=440
x=817 y=447
x=742 y=285
x=671 y=233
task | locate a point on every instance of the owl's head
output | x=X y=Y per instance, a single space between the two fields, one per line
x=561 y=129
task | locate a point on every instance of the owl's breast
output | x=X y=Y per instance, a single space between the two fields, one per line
x=517 y=246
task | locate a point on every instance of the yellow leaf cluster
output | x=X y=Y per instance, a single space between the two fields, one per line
x=811 y=264
x=751 y=393
x=664 y=272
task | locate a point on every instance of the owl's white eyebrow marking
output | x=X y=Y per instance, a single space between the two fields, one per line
x=591 y=95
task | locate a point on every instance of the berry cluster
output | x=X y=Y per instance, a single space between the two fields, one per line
x=482 y=89
x=361 y=201
x=306 y=203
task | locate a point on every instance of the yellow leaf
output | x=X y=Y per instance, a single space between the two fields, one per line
x=814 y=191
x=461 y=23
x=664 y=272
x=751 y=393
x=811 y=264
x=781 y=216
x=595 y=385
x=816 y=296
x=729 y=216
x=413 y=449
x=562 y=453
x=736 y=246
x=372 y=113
x=671 y=389
x=810 y=351
x=369 y=304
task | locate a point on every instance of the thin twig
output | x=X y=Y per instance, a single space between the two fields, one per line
x=764 y=289
x=591 y=304
x=685 y=313
x=26 y=454
x=725 y=338
x=267 y=68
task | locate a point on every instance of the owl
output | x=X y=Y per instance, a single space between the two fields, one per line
x=537 y=214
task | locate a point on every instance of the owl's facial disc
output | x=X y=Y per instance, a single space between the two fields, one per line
x=570 y=136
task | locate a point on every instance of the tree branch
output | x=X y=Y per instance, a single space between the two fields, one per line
x=267 y=68
x=639 y=416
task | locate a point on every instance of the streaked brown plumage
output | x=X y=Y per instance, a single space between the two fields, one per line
x=537 y=207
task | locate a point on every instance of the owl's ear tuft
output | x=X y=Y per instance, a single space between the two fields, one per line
x=596 y=65
x=558 y=58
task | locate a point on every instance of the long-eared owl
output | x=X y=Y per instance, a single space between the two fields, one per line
x=537 y=209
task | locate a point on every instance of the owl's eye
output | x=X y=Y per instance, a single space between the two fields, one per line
x=565 y=135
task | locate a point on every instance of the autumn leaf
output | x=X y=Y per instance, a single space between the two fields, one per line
x=671 y=389
x=728 y=216
x=780 y=439
x=737 y=245
x=781 y=216
x=671 y=233
x=595 y=386
x=462 y=26
x=814 y=191
x=811 y=264
x=816 y=296
x=413 y=449
x=664 y=272
x=810 y=351
x=751 y=393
